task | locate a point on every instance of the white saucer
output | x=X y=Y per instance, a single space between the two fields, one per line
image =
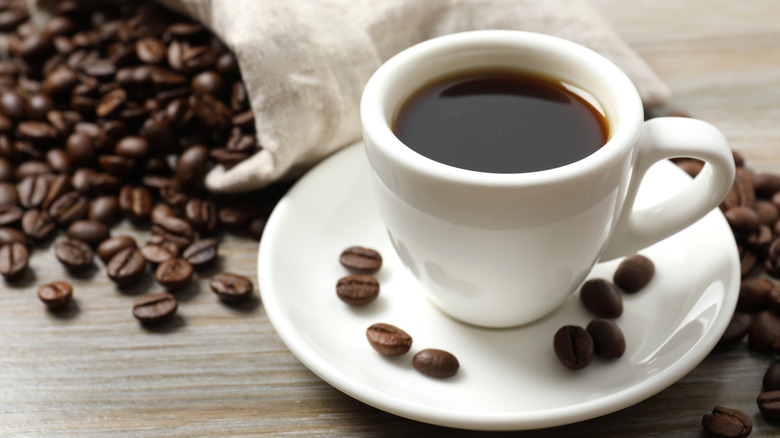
x=509 y=379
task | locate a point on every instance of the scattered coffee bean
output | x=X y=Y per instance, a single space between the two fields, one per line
x=38 y=224
x=173 y=229
x=105 y=209
x=573 y=346
x=12 y=235
x=633 y=273
x=602 y=298
x=357 y=290
x=155 y=308
x=764 y=334
x=126 y=267
x=388 y=340
x=92 y=233
x=231 y=287
x=201 y=253
x=159 y=250
x=436 y=363
x=608 y=339
x=56 y=295
x=364 y=260
x=771 y=379
x=13 y=260
x=727 y=423
x=173 y=273
x=10 y=215
x=73 y=254
x=111 y=246
x=769 y=405
x=738 y=328
x=754 y=294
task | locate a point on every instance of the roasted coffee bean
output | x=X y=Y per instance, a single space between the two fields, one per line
x=764 y=333
x=7 y=171
x=10 y=215
x=769 y=405
x=231 y=287
x=8 y=194
x=158 y=249
x=209 y=82
x=38 y=224
x=113 y=245
x=436 y=363
x=771 y=262
x=357 y=290
x=56 y=295
x=602 y=298
x=92 y=233
x=361 y=259
x=257 y=226
x=13 y=17
x=633 y=273
x=73 y=254
x=201 y=252
x=13 y=260
x=608 y=339
x=126 y=267
x=33 y=190
x=754 y=294
x=151 y=50
x=742 y=218
x=192 y=166
x=727 y=423
x=173 y=273
x=155 y=308
x=759 y=238
x=388 y=340
x=174 y=229
x=105 y=209
x=104 y=183
x=32 y=167
x=80 y=149
x=12 y=104
x=201 y=214
x=39 y=134
x=767 y=184
x=771 y=380
x=573 y=346
x=235 y=217
x=162 y=210
x=60 y=81
x=69 y=207
x=135 y=202
x=12 y=235
x=768 y=212
x=133 y=147
x=738 y=328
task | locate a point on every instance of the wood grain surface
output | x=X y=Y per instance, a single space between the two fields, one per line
x=221 y=370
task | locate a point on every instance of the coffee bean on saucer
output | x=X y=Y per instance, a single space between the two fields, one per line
x=608 y=339
x=727 y=423
x=738 y=328
x=633 y=273
x=155 y=308
x=13 y=260
x=358 y=289
x=56 y=295
x=573 y=346
x=73 y=254
x=771 y=379
x=364 y=260
x=231 y=287
x=436 y=363
x=602 y=298
x=173 y=273
x=769 y=405
x=388 y=340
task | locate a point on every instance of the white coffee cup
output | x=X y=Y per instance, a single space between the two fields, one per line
x=500 y=250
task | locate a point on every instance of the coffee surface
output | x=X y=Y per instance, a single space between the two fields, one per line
x=500 y=123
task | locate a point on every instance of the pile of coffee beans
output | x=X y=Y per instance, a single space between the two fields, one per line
x=362 y=288
x=116 y=111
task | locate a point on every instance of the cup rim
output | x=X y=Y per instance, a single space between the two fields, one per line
x=378 y=128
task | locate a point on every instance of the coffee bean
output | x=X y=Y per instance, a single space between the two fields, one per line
x=361 y=259
x=602 y=298
x=769 y=405
x=174 y=229
x=162 y=210
x=357 y=290
x=257 y=226
x=11 y=18
x=727 y=423
x=135 y=202
x=69 y=208
x=158 y=250
x=13 y=260
x=155 y=308
x=8 y=194
x=80 y=149
x=231 y=287
x=201 y=252
x=92 y=233
x=10 y=215
x=738 y=328
x=771 y=379
x=767 y=184
x=573 y=346
x=12 y=235
x=33 y=190
x=768 y=212
x=436 y=363
x=105 y=209
x=126 y=267
x=201 y=214
x=608 y=339
x=113 y=245
x=59 y=186
x=388 y=340
x=73 y=254
x=235 y=217
x=151 y=50
x=192 y=166
x=133 y=147
x=764 y=333
x=633 y=273
x=742 y=218
x=56 y=295
x=173 y=273
x=754 y=294
x=37 y=224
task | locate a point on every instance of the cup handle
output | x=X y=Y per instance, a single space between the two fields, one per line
x=663 y=138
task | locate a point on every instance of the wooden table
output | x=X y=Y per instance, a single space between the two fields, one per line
x=221 y=370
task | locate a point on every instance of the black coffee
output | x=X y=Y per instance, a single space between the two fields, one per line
x=500 y=123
